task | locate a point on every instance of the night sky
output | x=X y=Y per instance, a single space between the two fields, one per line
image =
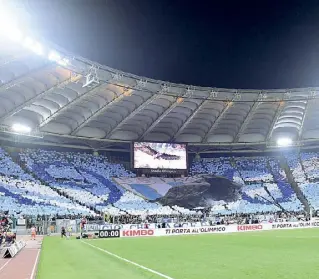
x=232 y=44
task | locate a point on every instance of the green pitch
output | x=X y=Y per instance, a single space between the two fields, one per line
x=263 y=255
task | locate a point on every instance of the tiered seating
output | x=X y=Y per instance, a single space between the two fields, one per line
x=254 y=169
x=77 y=174
x=289 y=199
x=88 y=179
x=259 y=177
x=310 y=162
x=32 y=198
x=22 y=194
x=295 y=166
x=95 y=183
x=304 y=167
x=9 y=168
x=183 y=210
x=110 y=209
x=136 y=205
x=217 y=166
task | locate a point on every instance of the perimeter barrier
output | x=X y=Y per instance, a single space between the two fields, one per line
x=105 y=232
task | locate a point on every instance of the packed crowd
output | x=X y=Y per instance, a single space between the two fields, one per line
x=7 y=237
x=88 y=180
x=80 y=184
x=22 y=194
x=262 y=180
x=208 y=217
x=305 y=170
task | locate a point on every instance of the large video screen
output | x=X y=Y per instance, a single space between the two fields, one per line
x=155 y=155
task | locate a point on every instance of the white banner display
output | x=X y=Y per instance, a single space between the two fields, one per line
x=253 y=227
x=202 y=230
x=21 y=222
x=295 y=225
x=178 y=231
x=217 y=229
x=139 y=232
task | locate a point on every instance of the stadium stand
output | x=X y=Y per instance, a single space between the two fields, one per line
x=263 y=182
x=60 y=99
x=304 y=168
x=79 y=183
x=88 y=179
x=22 y=194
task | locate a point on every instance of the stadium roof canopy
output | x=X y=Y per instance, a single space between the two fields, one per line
x=50 y=97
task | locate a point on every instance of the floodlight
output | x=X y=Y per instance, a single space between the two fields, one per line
x=37 y=48
x=15 y=34
x=8 y=26
x=63 y=62
x=54 y=56
x=284 y=142
x=19 y=128
x=12 y=33
x=7 y=18
x=28 y=42
x=34 y=46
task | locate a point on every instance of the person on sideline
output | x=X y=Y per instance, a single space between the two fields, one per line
x=33 y=232
x=63 y=232
x=69 y=231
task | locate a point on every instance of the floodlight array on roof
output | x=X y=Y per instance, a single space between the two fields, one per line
x=10 y=30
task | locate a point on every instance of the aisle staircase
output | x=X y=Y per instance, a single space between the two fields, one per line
x=293 y=183
x=303 y=167
x=273 y=199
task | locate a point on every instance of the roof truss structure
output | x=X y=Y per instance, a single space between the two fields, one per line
x=51 y=99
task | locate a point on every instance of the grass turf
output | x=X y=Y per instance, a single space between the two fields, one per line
x=274 y=254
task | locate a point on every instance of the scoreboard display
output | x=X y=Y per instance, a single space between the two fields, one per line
x=159 y=155
x=109 y=233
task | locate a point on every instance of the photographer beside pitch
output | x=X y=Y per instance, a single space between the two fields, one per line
x=63 y=232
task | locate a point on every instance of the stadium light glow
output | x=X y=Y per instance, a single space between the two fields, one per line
x=37 y=48
x=12 y=33
x=16 y=35
x=63 y=62
x=8 y=26
x=9 y=29
x=34 y=46
x=284 y=142
x=19 y=128
x=28 y=43
x=54 y=56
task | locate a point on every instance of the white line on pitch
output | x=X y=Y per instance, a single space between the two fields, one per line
x=35 y=265
x=2 y=267
x=128 y=261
